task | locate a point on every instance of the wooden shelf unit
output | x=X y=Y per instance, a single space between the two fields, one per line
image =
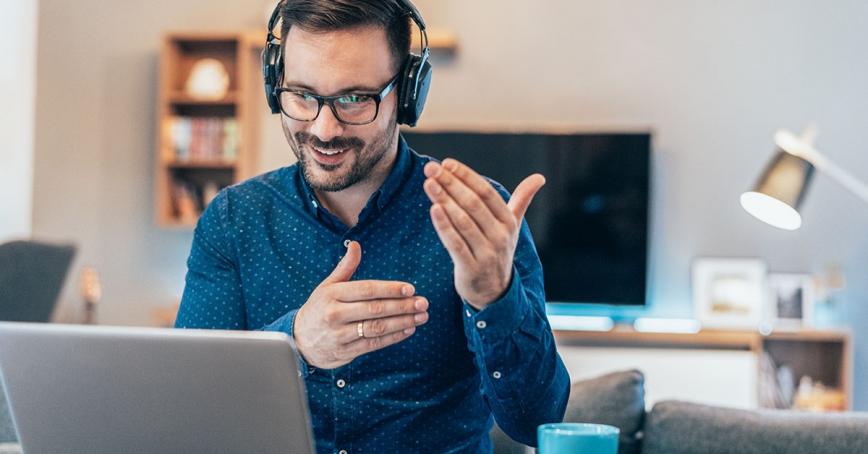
x=439 y=40
x=824 y=355
x=185 y=177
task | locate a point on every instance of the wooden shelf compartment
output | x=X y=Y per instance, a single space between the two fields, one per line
x=202 y=164
x=181 y=98
x=184 y=50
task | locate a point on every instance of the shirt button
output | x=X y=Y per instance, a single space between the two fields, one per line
x=481 y=324
x=342 y=451
x=496 y=374
x=341 y=383
x=347 y=243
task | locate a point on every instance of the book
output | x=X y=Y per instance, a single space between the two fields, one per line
x=204 y=138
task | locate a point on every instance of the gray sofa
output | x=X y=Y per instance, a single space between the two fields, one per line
x=673 y=427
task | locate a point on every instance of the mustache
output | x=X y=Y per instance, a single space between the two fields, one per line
x=338 y=143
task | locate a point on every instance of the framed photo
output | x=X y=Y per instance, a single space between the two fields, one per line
x=729 y=292
x=790 y=300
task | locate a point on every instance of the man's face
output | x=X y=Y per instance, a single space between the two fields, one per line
x=356 y=60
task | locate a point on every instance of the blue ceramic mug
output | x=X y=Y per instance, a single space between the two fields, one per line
x=577 y=438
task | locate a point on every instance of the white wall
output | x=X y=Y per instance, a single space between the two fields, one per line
x=97 y=85
x=712 y=79
x=17 y=90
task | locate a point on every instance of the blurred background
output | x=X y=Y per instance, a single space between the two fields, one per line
x=83 y=112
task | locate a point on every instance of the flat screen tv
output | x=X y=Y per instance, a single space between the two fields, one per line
x=590 y=220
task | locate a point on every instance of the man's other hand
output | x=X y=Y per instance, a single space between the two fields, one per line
x=345 y=319
x=479 y=230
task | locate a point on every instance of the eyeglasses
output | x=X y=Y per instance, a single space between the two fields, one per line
x=349 y=108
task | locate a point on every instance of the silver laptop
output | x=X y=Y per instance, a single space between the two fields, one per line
x=93 y=390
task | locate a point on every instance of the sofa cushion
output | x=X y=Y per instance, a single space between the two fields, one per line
x=616 y=399
x=679 y=427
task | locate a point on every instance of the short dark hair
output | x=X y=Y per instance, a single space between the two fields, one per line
x=332 y=15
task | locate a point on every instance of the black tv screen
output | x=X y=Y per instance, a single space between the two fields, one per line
x=590 y=220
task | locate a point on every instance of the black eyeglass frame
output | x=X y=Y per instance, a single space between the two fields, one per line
x=330 y=101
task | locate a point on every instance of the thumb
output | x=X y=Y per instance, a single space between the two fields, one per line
x=347 y=266
x=524 y=193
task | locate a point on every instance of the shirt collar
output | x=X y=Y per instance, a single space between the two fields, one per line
x=387 y=190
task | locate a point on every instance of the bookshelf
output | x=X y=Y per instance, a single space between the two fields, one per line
x=823 y=355
x=204 y=145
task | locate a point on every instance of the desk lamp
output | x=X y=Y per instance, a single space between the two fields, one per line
x=780 y=190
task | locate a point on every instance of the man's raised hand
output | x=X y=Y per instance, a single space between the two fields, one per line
x=479 y=230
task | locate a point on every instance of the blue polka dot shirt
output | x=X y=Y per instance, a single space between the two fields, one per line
x=263 y=245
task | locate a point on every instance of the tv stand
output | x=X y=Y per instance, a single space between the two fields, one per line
x=723 y=367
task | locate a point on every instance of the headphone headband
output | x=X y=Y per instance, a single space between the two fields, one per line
x=410 y=11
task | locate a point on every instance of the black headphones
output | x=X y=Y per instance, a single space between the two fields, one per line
x=414 y=80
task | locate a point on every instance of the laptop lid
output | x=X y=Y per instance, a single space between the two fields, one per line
x=85 y=389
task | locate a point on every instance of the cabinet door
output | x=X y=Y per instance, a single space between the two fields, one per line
x=715 y=377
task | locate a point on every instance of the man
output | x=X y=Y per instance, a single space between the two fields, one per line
x=412 y=289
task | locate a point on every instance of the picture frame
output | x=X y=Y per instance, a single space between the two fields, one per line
x=729 y=293
x=790 y=300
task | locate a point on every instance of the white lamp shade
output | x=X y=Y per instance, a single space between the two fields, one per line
x=776 y=197
x=771 y=210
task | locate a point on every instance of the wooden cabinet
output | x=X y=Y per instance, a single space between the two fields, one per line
x=819 y=359
x=823 y=355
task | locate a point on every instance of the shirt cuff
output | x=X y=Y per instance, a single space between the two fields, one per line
x=285 y=324
x=502 y=317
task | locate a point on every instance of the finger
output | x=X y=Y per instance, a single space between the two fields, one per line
x=347 y=266
x=366 y=345
x=482 y=187
x=380 y=327
x=524 y=193
x=454 y=243
x=370 y=290
x=467 y=200
x=381 y=308
x=464 y=224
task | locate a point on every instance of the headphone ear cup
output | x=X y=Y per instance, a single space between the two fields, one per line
x=272 y=67
x=423 y=82
x=413 y=89
x=403 y=89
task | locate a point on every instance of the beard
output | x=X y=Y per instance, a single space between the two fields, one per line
x=365 y=157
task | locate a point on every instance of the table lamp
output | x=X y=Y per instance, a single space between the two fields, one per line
x=780 y=190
